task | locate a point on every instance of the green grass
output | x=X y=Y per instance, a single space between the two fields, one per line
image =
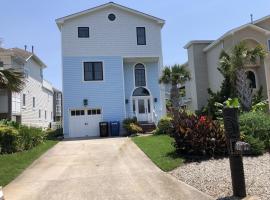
x=160 y=150
x=11 y=165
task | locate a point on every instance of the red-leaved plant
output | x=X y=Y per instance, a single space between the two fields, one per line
x=198 y=135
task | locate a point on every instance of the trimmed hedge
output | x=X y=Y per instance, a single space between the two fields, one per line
x=9 y=139
x=165 y=126
x=15 y=138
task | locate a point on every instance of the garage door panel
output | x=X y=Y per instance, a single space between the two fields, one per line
x=85 y=123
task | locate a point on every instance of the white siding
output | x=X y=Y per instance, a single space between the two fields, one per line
x=110 y=38
x=43 y=98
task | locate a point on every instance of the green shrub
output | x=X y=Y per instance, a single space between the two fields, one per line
x=131 y=126
x=199 y=135
x=54 y=134
x=9 y=139
x=257 y=147
x=9 y=123
x=256 y=124
x=262 y=106
x=165 y=126
x=30 y=137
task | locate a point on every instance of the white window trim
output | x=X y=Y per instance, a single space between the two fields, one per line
x=103 y=71
x=145 y=73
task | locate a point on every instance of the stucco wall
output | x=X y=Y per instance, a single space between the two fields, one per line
x=198 y=84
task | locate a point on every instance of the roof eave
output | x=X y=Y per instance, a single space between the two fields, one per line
x=234 y=31
x=60 y=21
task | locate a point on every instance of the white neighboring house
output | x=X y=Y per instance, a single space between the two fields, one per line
x=33 y=106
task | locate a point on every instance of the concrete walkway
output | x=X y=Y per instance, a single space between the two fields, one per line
x=97 y=169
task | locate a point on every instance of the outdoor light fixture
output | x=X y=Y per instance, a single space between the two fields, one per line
x=85 y=102
x=126 y=101
x=155 y=99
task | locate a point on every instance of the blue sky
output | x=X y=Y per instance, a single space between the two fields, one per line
x=32 y=22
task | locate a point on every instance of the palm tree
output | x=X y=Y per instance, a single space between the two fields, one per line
x=175 y=75
x=11 y=79
x=232 y=67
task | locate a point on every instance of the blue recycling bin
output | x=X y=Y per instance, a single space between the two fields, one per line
x=115 y=128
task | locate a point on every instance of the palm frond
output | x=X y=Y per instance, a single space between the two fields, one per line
x=12 y=79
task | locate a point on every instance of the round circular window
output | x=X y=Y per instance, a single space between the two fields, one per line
x=111 y=17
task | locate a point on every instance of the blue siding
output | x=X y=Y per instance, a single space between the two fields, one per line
x=107 y=95
x=152 y=85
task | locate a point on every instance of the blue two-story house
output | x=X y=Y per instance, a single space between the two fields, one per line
x=111 y=63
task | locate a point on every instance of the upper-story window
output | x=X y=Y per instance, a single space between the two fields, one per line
x=251 y=79
x=24 y=100
x=83 y=32
x=41 y=72
x=140 y=75
x=141 y=38
x=93 y=71
x=34 y=102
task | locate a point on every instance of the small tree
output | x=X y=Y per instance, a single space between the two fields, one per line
x=175 y=75
x=232 y=67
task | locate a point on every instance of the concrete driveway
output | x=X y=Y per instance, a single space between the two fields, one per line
x=103 y=169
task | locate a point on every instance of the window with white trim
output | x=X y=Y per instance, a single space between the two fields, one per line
x=24 y=100
x=93 y=71
x=140 y=75
x=83 y=32
x=34 y=102
x=141 y=38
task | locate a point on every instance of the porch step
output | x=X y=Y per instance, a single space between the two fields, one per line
x=147 y=127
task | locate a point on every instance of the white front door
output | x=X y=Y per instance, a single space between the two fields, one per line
x=142 y=108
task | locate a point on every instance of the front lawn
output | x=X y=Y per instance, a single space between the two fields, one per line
x=11 y=165
x=160 y=150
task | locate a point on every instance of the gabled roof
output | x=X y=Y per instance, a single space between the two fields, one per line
x=231 y=32
x=24 y=55
x=262 y=19
x=61 y=20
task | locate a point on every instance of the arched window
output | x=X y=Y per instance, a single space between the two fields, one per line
x=141 y=92
x=140 y=75
x=251 y=79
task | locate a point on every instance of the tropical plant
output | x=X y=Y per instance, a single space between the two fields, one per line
x=175 y=75
x=232 y=66
x=11 y=79
x=199 y=135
